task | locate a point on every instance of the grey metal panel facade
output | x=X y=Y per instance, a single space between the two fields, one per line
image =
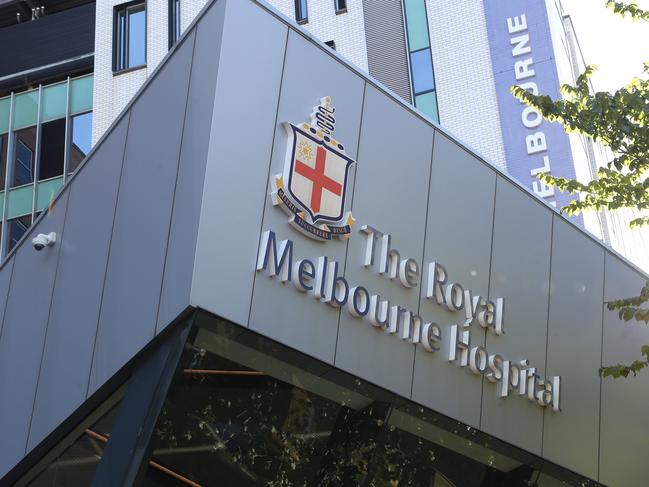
x=623 y=427
x=373 y=205
x=458 y=236
x=138 y=246
x=5 y=281
x=179 y=266
x=23 y=334
x=52 y=313
x=520 y=271
x=574 y=346
x=235 y=191
x=387 y=56
x=274 y=308
x=67 y=355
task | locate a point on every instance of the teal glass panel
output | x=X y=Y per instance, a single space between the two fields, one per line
x=5 y=107
x=19 y=201
x=2 y=201
x=54 y=98
x=26 y=110
x=47 y=190
x=81 y=94
x=427 y=103
x=416 y=24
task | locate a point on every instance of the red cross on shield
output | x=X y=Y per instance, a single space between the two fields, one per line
x=317 y=175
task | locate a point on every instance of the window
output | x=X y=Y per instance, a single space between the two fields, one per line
x=74 y=459
x=422 y=71
x=245 y=412
x=3 y=159
x=17 y=228
x=129 y=49
x=421 y=61
x=81 y=139
x=174 y=22
x=331 y=44
x=23 y=167
x=301 y=15
x=45 y=136
x=341 y=6
x=52 y=150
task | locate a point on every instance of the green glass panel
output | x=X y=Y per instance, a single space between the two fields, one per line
x=416 y=24
x=19 y=201
x=54 y=98
x=5 y=106
x=2 y=201
x=47 y=190
x=427 y=103
x=81 y=94
x=26 y=110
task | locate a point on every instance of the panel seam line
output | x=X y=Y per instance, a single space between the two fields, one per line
x=49 y=317
x=110 y=244
x=173 y=197
x=423 y=254
x=547 y=331
x=491 y=260
x=270 y=165
x=601 y=379
x=351 y=208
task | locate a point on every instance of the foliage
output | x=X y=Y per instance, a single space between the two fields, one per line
x=619 y=121
x=630 y=9
x=630 y=309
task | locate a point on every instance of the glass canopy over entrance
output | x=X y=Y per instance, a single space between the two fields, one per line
x=242 y=410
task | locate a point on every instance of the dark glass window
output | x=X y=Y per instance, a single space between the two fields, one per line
x=301 y=15
x=4 y=139
x=17 y=228
x=76 y=463
x=174 y=22
x=52 y=150
x=130 y=36
x=341 y=6
x=421 y=64
x=244 y=411
x=24 y=151
x=81 y=139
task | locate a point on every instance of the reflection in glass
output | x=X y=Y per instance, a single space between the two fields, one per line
x=136 y=37
x=76 y=465
x=54 y=101
x=427 y=103
x=301 y=15
x=422 y=71
x=174 y=21
x=130 y=43
x=24 y=150
x=52 y=149
x=25 y=109
x=17 y=228
x=81 y=139
x=4 y=139
x=245 y=411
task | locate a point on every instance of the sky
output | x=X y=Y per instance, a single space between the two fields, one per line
x=617 y=46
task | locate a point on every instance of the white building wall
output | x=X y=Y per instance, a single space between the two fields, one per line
x=189 y=9
x=466 y=93
x=347 y=29
x=113 y=91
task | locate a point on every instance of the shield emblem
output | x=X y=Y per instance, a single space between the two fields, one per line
x=317 y=174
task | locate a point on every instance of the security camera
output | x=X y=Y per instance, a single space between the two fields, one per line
x=42 y=240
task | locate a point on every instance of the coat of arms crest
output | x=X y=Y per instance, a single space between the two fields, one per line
x=313 y=186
